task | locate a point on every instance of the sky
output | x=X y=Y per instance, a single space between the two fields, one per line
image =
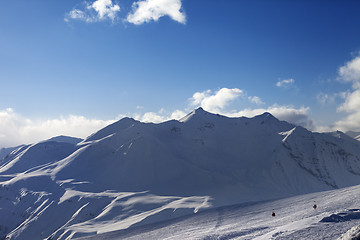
x=70 y=67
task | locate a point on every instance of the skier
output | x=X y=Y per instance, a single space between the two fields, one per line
x=314 y=206
x=273 y=213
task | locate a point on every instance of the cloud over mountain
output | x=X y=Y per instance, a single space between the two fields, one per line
x=215 y=101
x=218 y=101
x=16 y=129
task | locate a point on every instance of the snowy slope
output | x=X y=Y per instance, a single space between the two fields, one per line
x=65 y=139
x=355 y=135
x=6 y=151
x=337 y=212
x=132 y=173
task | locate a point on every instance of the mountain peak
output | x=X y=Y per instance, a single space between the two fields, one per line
x=199 y=110
x=198 y=113
x=66 y=139
x=266 y=115
x=112 y=128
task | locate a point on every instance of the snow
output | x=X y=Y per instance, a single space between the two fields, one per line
x=352 y=234
x=355 y=135
x=295 y=219
x=65 y=139
x=131 y=174
x=286 y=134
x=6 y=151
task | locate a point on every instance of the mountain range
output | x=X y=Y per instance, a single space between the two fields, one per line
x=131 y=173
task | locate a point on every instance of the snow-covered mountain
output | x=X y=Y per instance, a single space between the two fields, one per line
x=6 y=151
x=132 y=173
x=353 y=134
x=65 y=139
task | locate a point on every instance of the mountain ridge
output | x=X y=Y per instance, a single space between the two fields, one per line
x=132 y=170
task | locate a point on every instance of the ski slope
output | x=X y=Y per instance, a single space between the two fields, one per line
x=337 y=211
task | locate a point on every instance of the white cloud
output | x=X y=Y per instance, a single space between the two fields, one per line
x=285 y=83
x=349 y=123
x=215 y=102
x=153 y=117
x=177 y=114
x=99 y=10
x=352 y=102
x=350 y=72
x=325 y=98
x=16 y=129
x=198 y=97
x=105 y=8
x=351 y=106
x=79 y=15
x=160 y=116
x=297 y=116
x=256 y=100
x=151 y=10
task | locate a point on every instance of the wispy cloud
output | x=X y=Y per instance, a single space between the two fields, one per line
x=96 y=11
x=256 y=100
x=325 y=98
x=151 y=10
x=285 y=83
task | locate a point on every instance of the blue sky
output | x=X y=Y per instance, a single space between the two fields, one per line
x=73 y=66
